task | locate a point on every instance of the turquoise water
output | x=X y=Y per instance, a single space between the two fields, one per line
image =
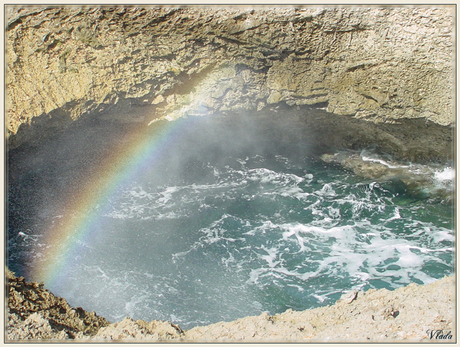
x=216 y=238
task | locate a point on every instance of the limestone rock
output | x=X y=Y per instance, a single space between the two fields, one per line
x=34 y=327
x=130 y=330
x=379 y=63
x=376 y=315
x=35 y=313
x=407 y=313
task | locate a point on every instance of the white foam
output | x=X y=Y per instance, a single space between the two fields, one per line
x=442 y=235
x=254 y=275
x=167 y=194
x=299 y=288
x=320 y=298
x=327 y=190
x=341 y=249
x=334 y=212
x=368 y=156
x=166 y=215
x=138 y=193
x=383 y=162
x=337 y=235
x=270 y=258
x=410 y=260
x=396 y=215
x=308 y=176
x=265 y=176
x=447 y=174
x=228 y=261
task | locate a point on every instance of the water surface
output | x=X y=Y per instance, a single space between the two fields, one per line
x=227 y=224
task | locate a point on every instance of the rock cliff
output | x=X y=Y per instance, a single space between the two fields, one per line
x=36 y=314
x=388 y=65
x=376 y=63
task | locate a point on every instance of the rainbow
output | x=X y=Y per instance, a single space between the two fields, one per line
x=82 y=219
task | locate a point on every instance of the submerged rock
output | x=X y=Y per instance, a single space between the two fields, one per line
x=422 y=181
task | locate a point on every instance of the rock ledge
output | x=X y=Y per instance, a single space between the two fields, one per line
x=413 y=313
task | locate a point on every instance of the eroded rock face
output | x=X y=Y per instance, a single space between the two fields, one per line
x=380 y=64
x=130 y=330
x=36 y=314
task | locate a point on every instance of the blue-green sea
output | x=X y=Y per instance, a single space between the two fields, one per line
x=211 y=238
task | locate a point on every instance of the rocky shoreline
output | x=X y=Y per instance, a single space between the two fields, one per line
x=384 y=74
x=422 y=181
x=411 y=314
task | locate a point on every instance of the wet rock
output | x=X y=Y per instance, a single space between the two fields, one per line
x=366 y=169
x=422 y=181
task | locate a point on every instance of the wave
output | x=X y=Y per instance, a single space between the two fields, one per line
x=258 y=234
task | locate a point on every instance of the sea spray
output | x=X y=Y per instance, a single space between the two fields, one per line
x=213 y=231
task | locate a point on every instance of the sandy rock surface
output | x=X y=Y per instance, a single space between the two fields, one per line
x=413 y=313
x=35 y=314
x=376 y=315
x=130 y=330
x=377 y=63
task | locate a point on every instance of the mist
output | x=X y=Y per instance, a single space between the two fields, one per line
x=45 y=176
x=212 y=218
